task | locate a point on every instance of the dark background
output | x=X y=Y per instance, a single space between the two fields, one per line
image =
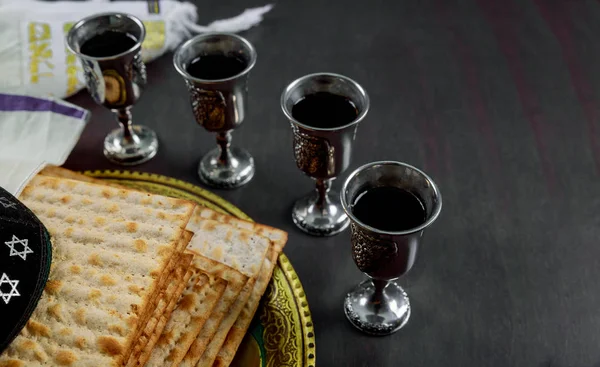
x=496 y=100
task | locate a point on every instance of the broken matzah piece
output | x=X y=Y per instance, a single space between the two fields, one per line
x=164 y=305
x=120 y=253
x=225 y=354
x=238 y=330
x=235 y=283
x=238 y=248
x=152 y=339
x=194 y=310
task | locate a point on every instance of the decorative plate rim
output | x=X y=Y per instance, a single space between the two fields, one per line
x=308 y=334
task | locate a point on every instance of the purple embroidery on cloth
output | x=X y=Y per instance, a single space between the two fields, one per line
x=11 y=102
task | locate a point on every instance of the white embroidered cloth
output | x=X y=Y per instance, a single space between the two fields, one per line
x=35 y=132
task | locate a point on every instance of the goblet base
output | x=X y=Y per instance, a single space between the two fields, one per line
x=142 y=149
x=238 y=172
x=328 y=220
x=378 y=316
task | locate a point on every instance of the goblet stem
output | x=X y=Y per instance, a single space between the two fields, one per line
x=320 y=213
x=224 y=142
x=323 y=187
x=378 y=298
x=129 y=136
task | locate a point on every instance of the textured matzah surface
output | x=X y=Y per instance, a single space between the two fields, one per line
x=203 y=349
x=201 y=353
x=110 y=248
x=237 y=248
x=200 y=339
x=192 y=311
x=171 y=286
x=142 y=357
x=236 y=334
x=224 y=355
x=164 y=307
x=54 y=171
x=145 y=206
x=277 y=236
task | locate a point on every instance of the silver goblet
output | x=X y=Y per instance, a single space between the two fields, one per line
x=323 y=153
x=379 y=306
x=219 y=105
x=116 y=82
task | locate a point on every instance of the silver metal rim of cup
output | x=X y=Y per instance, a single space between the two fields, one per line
x=80 y=23
x=204 y=36
x=293 y=84
x=426 y=224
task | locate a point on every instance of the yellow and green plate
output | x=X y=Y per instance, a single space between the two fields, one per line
x=282 y=332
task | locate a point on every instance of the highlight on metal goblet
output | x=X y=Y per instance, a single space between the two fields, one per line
x=323 y=153
x=378 y=305
x=116 y=80
x=219 y=105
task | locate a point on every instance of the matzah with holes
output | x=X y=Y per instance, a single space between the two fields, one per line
x=165 y=302
x=224 y=355
x=193 y=311
x=55 y=171
x=111 y=248
x=240 y=249
x=162 y=319
x=247 y=301
x=203 y=334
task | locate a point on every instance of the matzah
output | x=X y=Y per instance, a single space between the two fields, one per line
x=194 y=311
x=237 y=248
x=236 y=284
x=224 y=356
x=165 y=302
x=140 y=243
x=278 y=237
x=111 y=246
x=55 y=171
x=202 y=351
x=253 y=290
x=209 y=240
x=162 y=320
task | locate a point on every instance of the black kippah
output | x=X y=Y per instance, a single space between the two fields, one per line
x=25 y=257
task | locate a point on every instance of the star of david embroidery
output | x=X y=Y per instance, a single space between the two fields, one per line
x=7 y=203
x=13 y=291
x=14 y=252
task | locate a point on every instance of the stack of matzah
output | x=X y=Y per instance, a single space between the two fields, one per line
x=117 y=258
x=124 y=307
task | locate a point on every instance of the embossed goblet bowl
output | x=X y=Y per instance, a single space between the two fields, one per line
x=220 y=106
x=116 y=82
x=378 y=305
x=323 y=153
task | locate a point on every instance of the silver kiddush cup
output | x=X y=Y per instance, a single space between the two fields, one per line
x=323 y=153
x=379 y=306
x=116 y=82
x=219 y=105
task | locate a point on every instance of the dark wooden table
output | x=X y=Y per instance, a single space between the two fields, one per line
x=497 y=100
